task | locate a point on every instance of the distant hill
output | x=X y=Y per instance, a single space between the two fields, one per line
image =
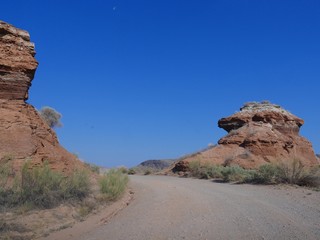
x=153 y=166
x=157 y=164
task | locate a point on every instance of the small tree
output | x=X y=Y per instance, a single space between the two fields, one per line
x=51 y=116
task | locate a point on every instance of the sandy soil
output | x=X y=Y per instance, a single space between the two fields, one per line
x=177 y=208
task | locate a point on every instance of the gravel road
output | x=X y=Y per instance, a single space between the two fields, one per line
x=181 y=208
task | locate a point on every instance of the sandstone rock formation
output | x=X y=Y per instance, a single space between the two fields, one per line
x=17 y=63
x=260 y=133
x=23 y=133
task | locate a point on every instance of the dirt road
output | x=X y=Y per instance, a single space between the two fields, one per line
x=179 y=208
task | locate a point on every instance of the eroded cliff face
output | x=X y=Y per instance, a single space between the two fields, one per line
x=258 y=134
x=23 y=133
x=17 y=62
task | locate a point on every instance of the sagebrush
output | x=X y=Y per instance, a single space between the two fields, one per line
x=113 y=184
x=291 y=172
x=41 y=187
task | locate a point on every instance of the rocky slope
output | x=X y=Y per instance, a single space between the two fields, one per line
x=259 y=133
x=23 y=133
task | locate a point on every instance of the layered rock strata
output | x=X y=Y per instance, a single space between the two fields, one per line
x=23 y=133
x=17 y=62
x=258 y=134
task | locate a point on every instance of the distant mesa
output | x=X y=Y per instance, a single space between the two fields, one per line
x=23 y=133
x=258 y=134
x=156 y=165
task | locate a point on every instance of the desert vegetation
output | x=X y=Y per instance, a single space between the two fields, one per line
x=51 y=116
x=290 y=172
x=113 y=184
x=41 y=187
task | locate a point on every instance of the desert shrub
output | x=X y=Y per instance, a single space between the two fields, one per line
x=215 y=171
x=294 y=172
x=266 y=174
x=131 y=171
x=291 y=171
x=205 y=170
x=113 y=184
x=93 y=167
x=5 y=172
x=311 y=178
x=7 y=198
x=51 y=116
x=226 y=173
x=76 y=186
x=41 y=187
x=124 y=170
x=195 y=169
x=236 y=174
x=147 y=172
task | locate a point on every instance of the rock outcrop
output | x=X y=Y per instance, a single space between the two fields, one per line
x=17 y=62
x=260 y=133
x=23 y=133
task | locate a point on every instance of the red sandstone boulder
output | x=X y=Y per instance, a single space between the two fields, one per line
x=260 y=133
x=23 y=133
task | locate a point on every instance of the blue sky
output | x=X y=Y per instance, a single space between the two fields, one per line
x=138 y=80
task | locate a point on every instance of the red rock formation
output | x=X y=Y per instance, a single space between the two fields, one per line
x=23 y=133
x=17 y=63
x=260 y=133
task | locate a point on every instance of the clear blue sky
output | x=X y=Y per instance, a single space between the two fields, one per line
x=138 y=80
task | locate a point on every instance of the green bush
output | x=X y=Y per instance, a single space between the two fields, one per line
x=312 y=179
x=294 y=172
x=237 y=174
x=77 y=185
x=44 y=188
x=205 y=171
x=291 y=171
x=147 y=172
x=5 y=173
x=124 y=170
x=113 y=184
x=40 y=186
x=131 y=171
x=226 y=173
x=267 y=174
